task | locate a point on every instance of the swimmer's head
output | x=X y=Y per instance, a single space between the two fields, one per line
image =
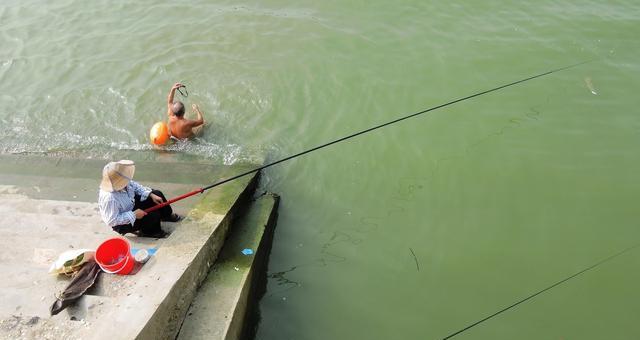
x=178 y=109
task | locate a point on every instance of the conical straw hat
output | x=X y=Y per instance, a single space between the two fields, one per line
x=116 y=175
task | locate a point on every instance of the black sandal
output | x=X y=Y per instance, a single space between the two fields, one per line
x=159 y=234
x=174 y=218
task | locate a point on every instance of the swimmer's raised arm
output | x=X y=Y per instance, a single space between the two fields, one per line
x=200 y=119
x=172 y=92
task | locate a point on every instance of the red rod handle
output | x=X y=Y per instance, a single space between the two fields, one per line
x=162 y=205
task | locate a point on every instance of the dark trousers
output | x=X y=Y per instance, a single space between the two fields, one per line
x=150 y=224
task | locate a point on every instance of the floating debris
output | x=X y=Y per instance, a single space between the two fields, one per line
x=589 y=83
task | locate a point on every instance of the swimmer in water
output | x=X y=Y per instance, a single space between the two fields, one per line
x=180 y=127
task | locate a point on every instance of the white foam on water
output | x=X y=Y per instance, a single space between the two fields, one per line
x=103 y=147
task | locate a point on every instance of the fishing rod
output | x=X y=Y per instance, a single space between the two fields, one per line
x=611 y=257
x=201 y=190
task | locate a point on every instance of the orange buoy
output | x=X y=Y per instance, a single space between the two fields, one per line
x=159 y=133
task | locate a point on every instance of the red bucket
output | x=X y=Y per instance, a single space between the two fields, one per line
x=114 y=256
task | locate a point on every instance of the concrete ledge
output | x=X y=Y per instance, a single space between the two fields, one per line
x=223 y=303
x=196 y=248
x=48 y=206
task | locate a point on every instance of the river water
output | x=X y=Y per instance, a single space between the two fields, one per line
x=411 y=232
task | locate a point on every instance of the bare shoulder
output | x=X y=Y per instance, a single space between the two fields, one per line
x=193 y=123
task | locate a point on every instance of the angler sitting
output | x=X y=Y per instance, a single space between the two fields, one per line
x=122 y=202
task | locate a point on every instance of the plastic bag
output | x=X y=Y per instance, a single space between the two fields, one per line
x=71 y=260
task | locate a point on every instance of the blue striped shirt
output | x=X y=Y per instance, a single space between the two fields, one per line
x=116 y=208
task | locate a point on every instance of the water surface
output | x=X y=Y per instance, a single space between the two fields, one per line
x=411 y=232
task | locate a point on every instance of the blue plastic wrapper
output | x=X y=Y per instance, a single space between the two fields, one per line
x=151 y=251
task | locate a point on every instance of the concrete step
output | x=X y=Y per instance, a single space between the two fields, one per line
x=48 y=205
x=223 y=303
x=166 y=169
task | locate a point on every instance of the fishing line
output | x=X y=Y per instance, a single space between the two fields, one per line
x=541 y=291
x=200 y=190
x=415 y=259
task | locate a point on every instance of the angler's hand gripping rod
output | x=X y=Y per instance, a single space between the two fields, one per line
x=201 y=190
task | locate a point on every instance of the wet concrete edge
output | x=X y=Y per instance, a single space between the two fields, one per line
x=168 y=317
x=258 y=287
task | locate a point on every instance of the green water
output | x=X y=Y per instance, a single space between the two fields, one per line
x=497 y=197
